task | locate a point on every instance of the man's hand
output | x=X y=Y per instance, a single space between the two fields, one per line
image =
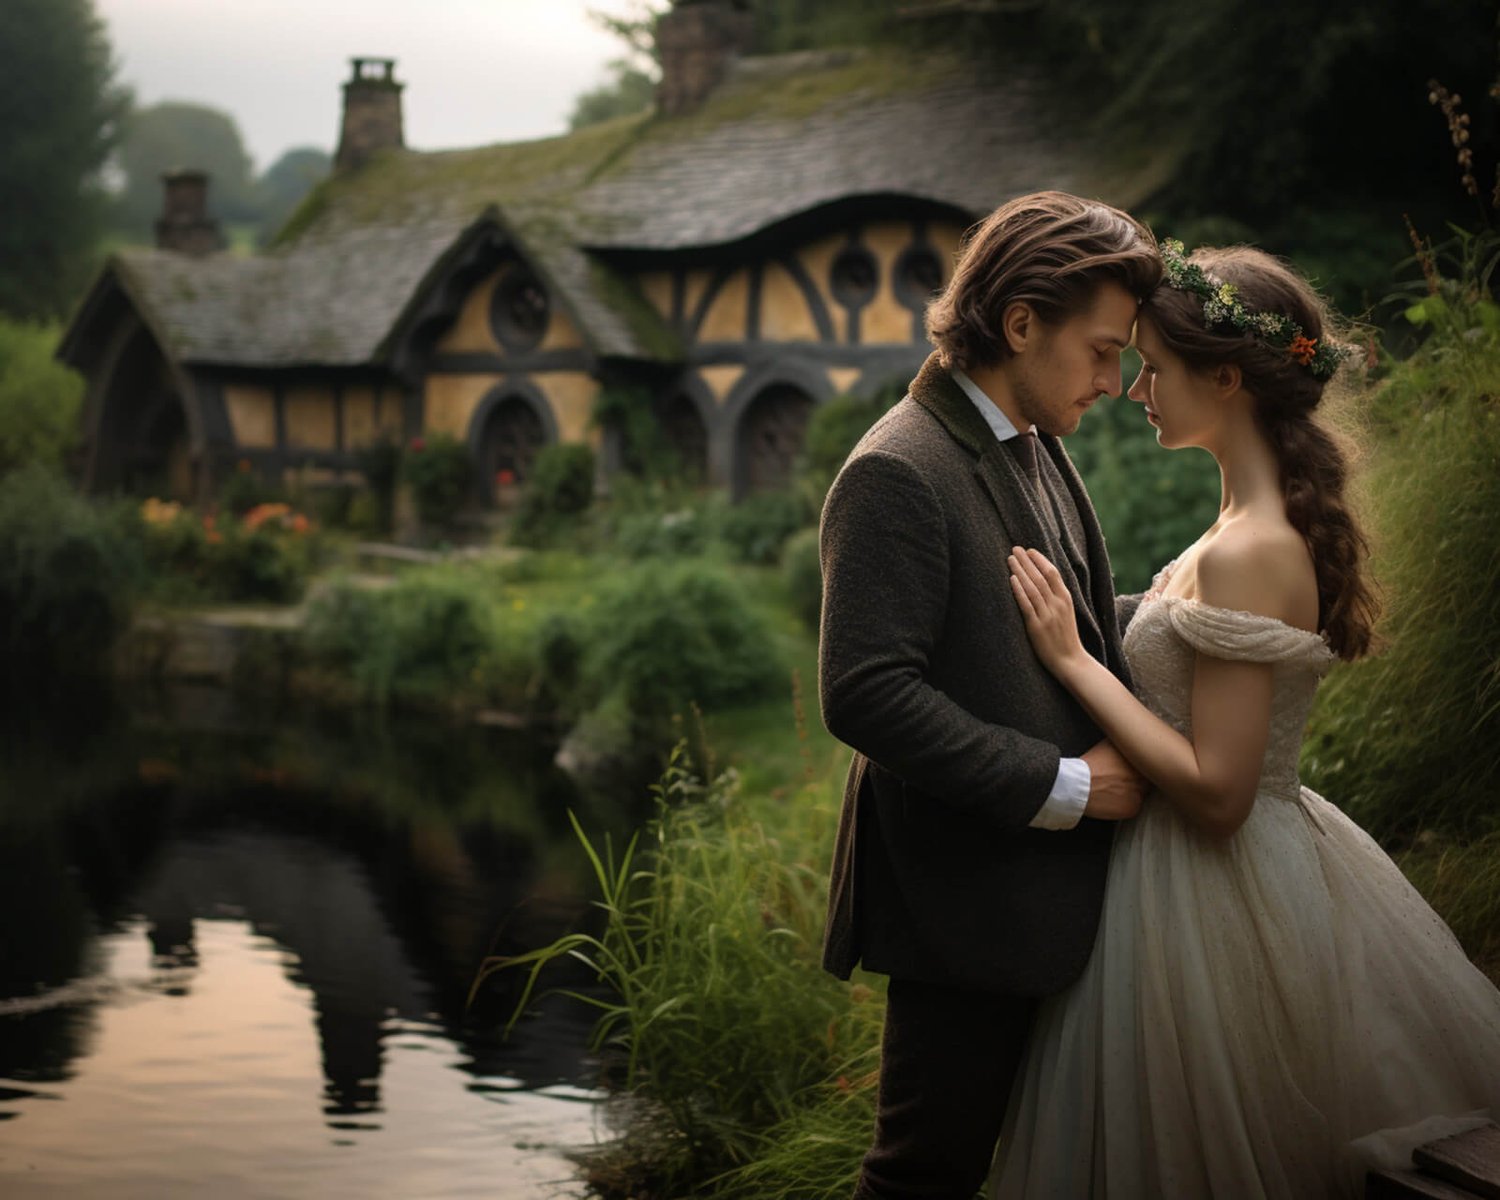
x=1116 y=789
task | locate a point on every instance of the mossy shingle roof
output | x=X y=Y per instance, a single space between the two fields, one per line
x=780 y=136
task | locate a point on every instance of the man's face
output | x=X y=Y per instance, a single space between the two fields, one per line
x=1063 y=369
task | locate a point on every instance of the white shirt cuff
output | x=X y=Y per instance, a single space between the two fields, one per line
x=1070 y=793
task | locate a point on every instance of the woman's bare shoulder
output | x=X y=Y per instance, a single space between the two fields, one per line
x=1259 y=566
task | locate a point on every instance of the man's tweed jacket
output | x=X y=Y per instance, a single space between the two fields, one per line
x=925 y=669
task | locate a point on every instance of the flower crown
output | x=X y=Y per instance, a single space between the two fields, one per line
x=1222 y=307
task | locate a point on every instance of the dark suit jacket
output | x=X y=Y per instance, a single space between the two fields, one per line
x=926 y=671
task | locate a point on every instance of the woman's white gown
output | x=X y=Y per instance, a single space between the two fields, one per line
x=1267 y=1016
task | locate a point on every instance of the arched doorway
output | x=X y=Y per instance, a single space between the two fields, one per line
x=684 y=432
x=142 y=443
x=509 y=439
x=770 y=437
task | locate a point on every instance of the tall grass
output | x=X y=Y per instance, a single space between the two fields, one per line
x=1405 y=739
x=750 y=1068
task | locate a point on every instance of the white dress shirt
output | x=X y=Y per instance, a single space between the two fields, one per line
x=1070 y=790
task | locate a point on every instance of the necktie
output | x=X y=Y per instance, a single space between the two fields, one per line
x=1024 y=447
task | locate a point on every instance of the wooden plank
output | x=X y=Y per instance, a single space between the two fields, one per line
x=1409 y=1185
x=1471 y=1160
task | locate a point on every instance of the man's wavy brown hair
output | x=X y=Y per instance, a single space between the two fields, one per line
x=1314 y=466
x=1049 y=250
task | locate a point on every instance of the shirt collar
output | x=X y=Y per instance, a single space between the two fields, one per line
x=998 y=422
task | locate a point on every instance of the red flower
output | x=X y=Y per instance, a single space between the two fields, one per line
x=504 y=477
x=417 y=445
x=1303 y=349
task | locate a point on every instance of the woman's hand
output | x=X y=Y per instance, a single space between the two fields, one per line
x=1047 y=607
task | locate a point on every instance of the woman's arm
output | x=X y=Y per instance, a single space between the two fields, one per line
x=1213 y=777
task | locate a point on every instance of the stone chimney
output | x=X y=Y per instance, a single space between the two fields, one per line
x=696 y=43
x=184 y=224
x=372 y=113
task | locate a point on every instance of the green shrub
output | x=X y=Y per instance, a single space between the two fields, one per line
x=245 y=488
x=264 y=555
x=679 y=534
x=803 y=574
x=379 y=461
x=66 y=577
x=756 y=528
x=559 y=491
x=432 y=634
x=835 y=428
x=440 y=473
x=39 y=398
x=670 y=634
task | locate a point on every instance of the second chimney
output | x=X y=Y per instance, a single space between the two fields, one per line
x=696 y=42
x=184 y=224
x=372 y=113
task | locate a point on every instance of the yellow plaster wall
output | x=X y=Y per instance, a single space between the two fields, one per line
x=656 y=286
x=784 y=313
x=470 y=333
x=309 y=418
x=725 y=319
x=252 y=415
x=571 y=394
x=694 y=284
x=362 y=425
x=449 y=401
x=721 y=380
x=561 y=333
x=843 y=379
x=886 y=319
x=945 y=238
x=817 y=260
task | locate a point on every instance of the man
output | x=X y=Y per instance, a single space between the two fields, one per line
x=977 y=815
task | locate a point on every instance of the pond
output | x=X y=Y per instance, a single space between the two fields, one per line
x=236 y=950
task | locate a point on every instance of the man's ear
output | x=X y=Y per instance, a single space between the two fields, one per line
x=1016 y=324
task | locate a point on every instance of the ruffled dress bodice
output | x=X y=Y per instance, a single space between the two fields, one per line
x=1161 y=644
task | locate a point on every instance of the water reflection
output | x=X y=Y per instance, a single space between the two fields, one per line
x=235 y=950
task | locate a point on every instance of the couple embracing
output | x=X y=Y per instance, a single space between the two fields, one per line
x=1129 y=954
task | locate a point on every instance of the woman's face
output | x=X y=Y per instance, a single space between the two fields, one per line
x=1178 y=399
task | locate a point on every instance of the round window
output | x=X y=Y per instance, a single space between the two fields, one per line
x=855 y=276
x=519 y=310
x=918 y=275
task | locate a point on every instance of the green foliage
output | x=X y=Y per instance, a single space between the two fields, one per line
x=560 y=490
x=833 y=430
x=285 y=184
x=244 y=488
x=730 y=1032
x=39 y=398
x=173 y=135
x=1461 y=880
x=757 y=527
x=678 y=533
x=803 y=574
x=433 y=633
x=265 y=555
x=1151 y=503
x=627 y=90
x=66 y=578
x=1404 y=739
x=666 y=635
x=440 y=472
x=60 y=107
x=379 y=461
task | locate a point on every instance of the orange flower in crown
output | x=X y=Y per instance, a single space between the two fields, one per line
x=1303 y=349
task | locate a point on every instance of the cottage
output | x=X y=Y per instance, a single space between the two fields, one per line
x=764 y=239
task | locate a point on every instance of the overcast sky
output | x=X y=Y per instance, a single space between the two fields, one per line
x=476 y=71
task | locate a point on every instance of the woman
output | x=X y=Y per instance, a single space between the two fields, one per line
x=1270 y=1009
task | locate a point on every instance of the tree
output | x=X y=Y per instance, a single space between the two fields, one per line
x=286 y=182
x=60 y=108
x=175 y=135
